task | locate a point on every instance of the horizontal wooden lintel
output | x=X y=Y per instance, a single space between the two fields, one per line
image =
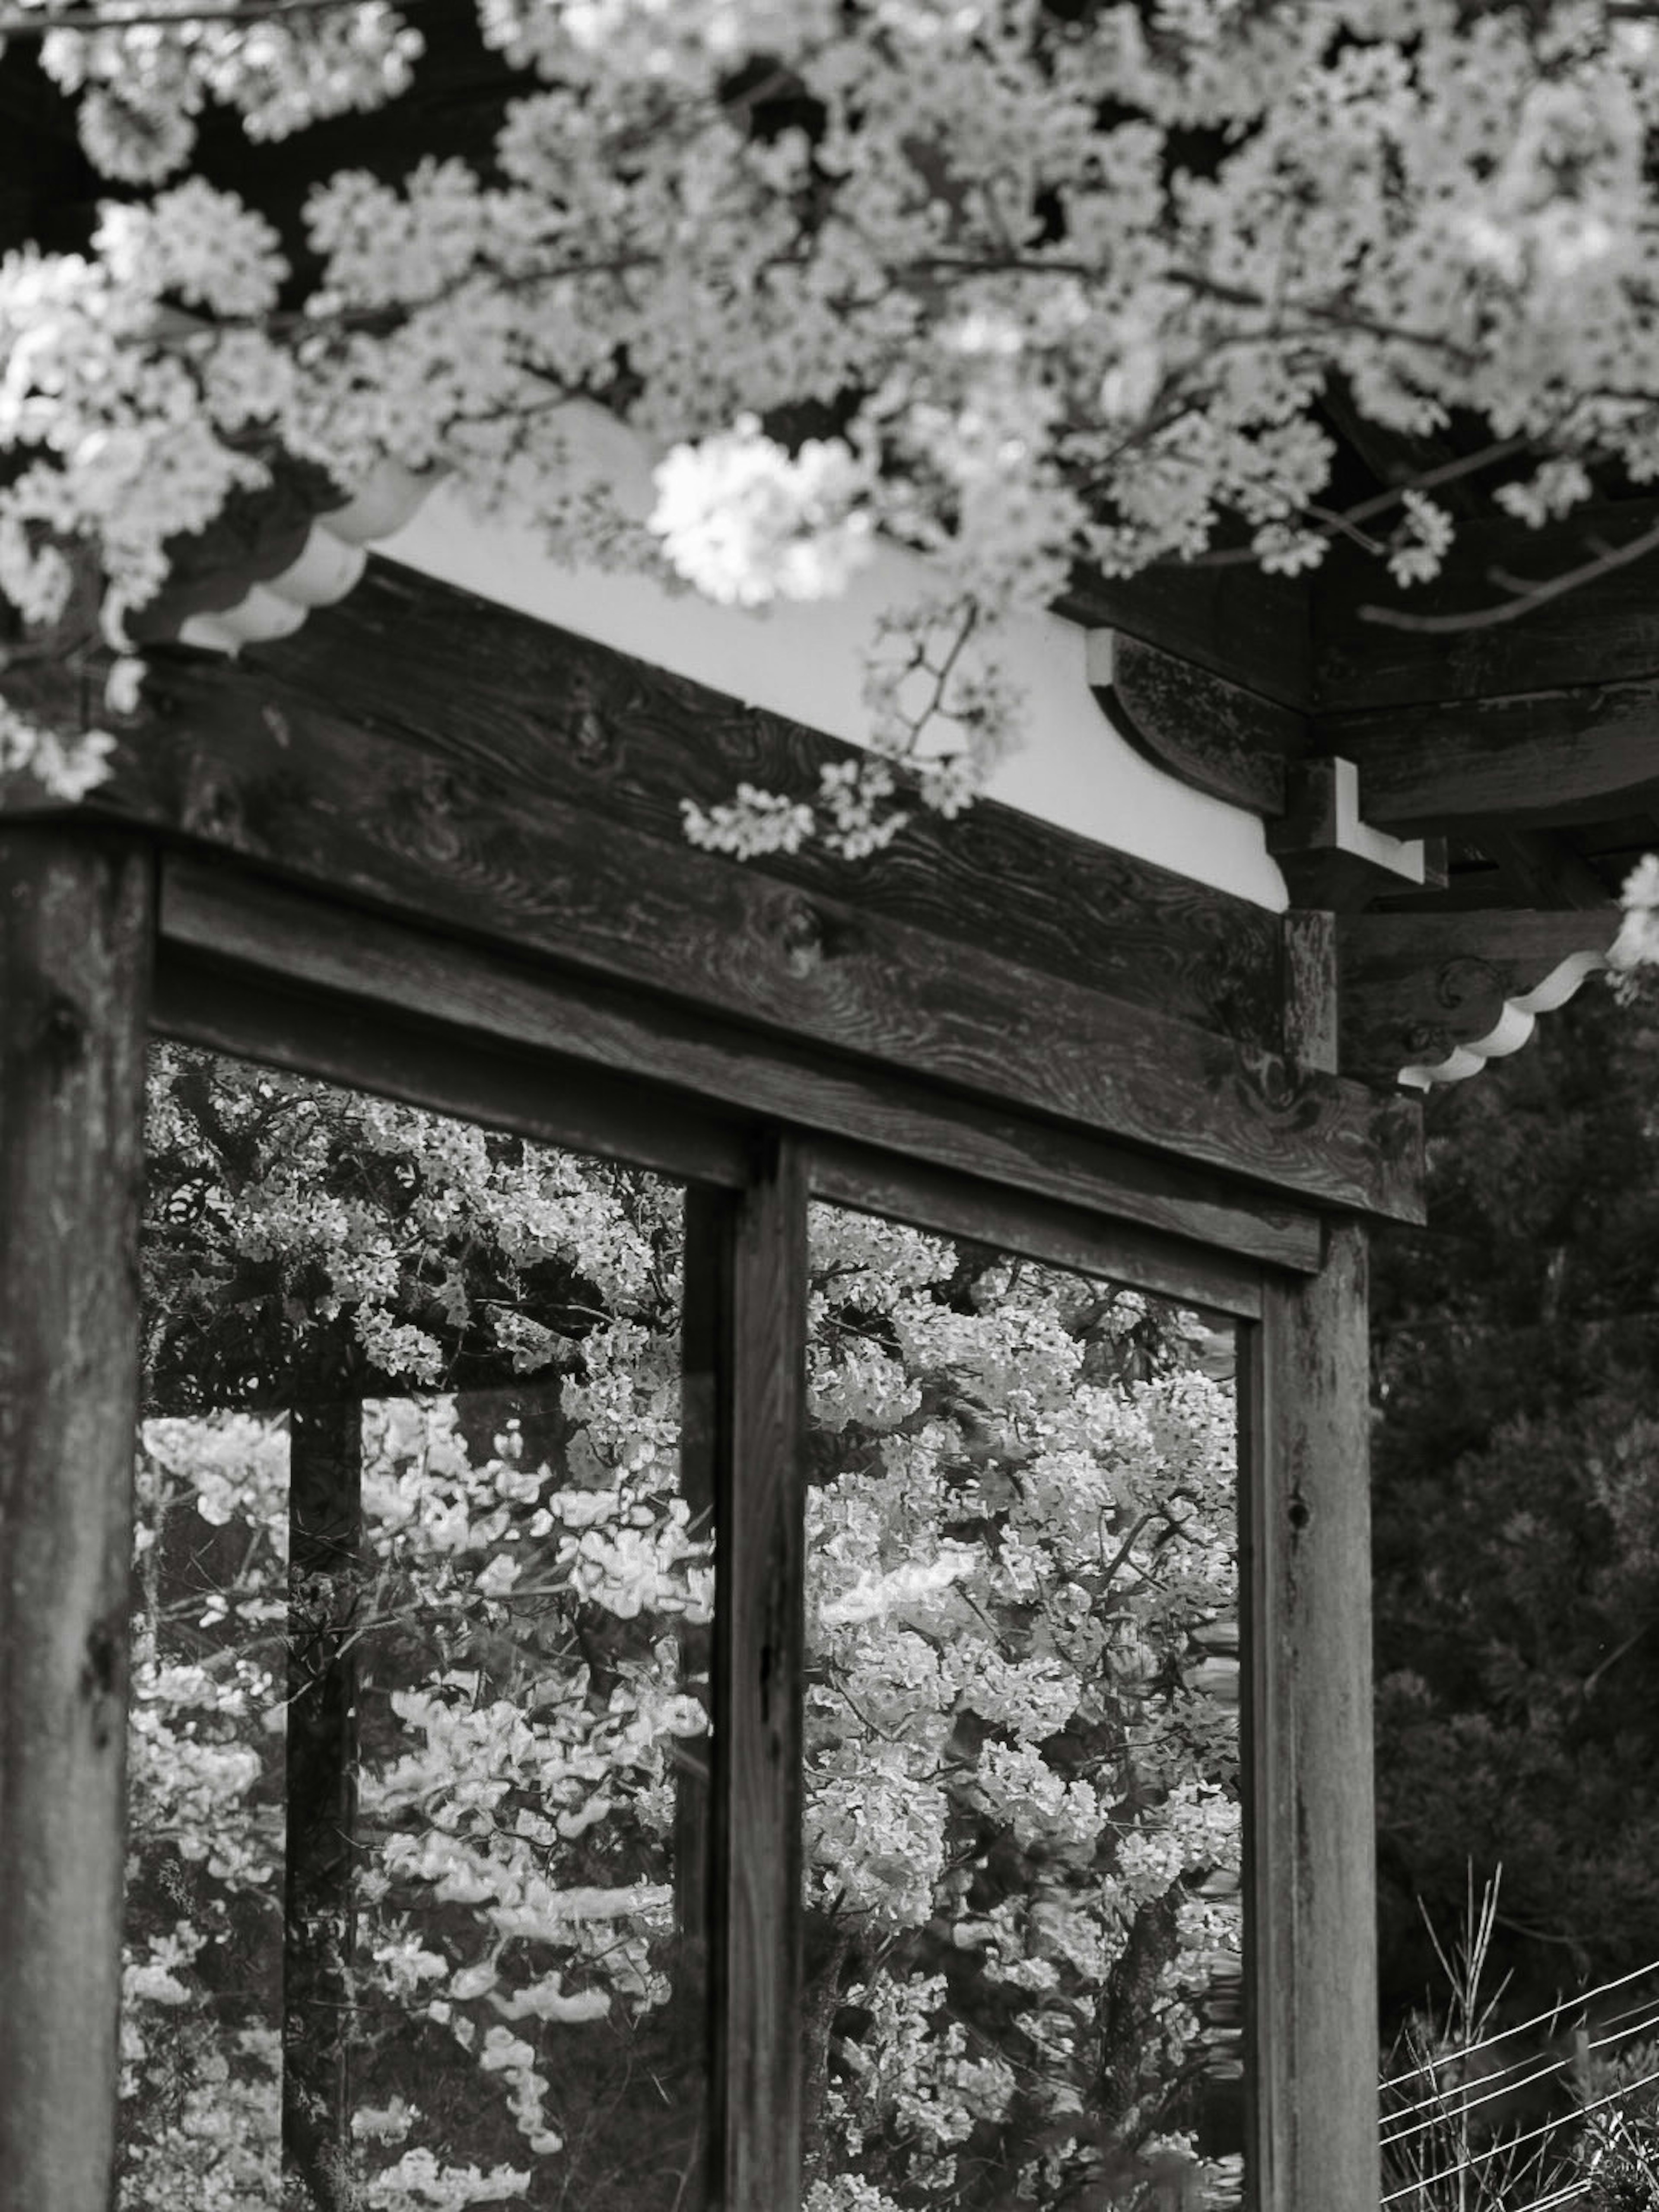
x=235 y=762
x=254 y=967
x=1535 y=759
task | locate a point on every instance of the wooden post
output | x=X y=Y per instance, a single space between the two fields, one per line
x=75 y=923
x=324 y=1563
x=758 y=1635
x=1311 y=1965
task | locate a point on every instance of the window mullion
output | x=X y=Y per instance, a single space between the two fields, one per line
x=324 y=1568
x=760 y=1494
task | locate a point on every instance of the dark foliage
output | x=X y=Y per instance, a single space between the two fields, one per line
x=1516 y=1503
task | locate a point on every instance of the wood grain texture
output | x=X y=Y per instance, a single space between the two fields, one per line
x=1310 y=1966
x=475 y=1070
x=1415 y=987
x=283 y=784
x=1311 y=987
x=931 y=1198
x=1212 y=733
x=1537 y=759
x=553 y=713
x=315 y=986
x=325 y=1561
x=75 y=945
x=758 y=1688
x=1602 y=632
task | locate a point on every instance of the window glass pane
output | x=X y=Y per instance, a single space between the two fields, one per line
x=420 y=1728
x=1023 y=1836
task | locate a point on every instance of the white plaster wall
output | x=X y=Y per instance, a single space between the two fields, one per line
x=807 y=661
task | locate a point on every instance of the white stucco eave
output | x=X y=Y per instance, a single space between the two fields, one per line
x=807 y=662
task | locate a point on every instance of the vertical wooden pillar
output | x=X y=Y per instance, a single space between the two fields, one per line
x=1311 y=1931
x=758 y=1637
x=75 y=918
x=324 y=1564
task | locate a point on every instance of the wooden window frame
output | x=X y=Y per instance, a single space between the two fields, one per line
x=245 y=967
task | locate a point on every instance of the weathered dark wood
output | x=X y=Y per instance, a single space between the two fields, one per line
x=267 y=775
x=75 y=944
x=448 y=1063
x=1540 y=869
x=931 y=1198
x=1542 y=759
x=1253 y=629
x=349 y=975
x=1310 y=1967
x=555 y=714
x=1602 y=632
x=1311 y=987
x=759 y=1668
x=325 y=1561
x=1212 y=733
x=1415 y=987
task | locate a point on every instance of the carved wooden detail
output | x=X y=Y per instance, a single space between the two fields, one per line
x=1330 y=858
x=1212 y=734
x=1430 y=999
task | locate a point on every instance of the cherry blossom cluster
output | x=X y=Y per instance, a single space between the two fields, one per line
x=1016 y=283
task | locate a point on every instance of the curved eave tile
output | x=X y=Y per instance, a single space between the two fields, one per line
x=288 y=564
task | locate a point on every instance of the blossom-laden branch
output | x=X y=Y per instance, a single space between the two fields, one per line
x=1052 y=290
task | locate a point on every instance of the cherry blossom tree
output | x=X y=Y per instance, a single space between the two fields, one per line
x=1022 y=1816
x=1018 y=283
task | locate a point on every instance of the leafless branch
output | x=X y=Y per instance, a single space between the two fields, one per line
x=1526 y=596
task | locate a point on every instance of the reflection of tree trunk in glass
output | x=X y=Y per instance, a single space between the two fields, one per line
x=324 y=1492
x=1129 y=2003
x=828 y=1949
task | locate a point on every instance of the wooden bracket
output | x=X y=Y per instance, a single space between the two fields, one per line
x=1430 y=998
x=1328 y=856
x=1209 y=733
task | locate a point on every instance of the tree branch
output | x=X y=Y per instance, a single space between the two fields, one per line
x=1526 y=597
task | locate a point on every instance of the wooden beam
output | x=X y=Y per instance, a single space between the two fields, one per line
x=1310 y=1932
x=253 y=968
x=1418 y=991
x=324 y=1563
x=1311 y=987
x=759 y=1668
x=852 y=1175
x=553 y=713
x=1541 y=870
x=249 y=770
x=75 y=945
x=1539 y=759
